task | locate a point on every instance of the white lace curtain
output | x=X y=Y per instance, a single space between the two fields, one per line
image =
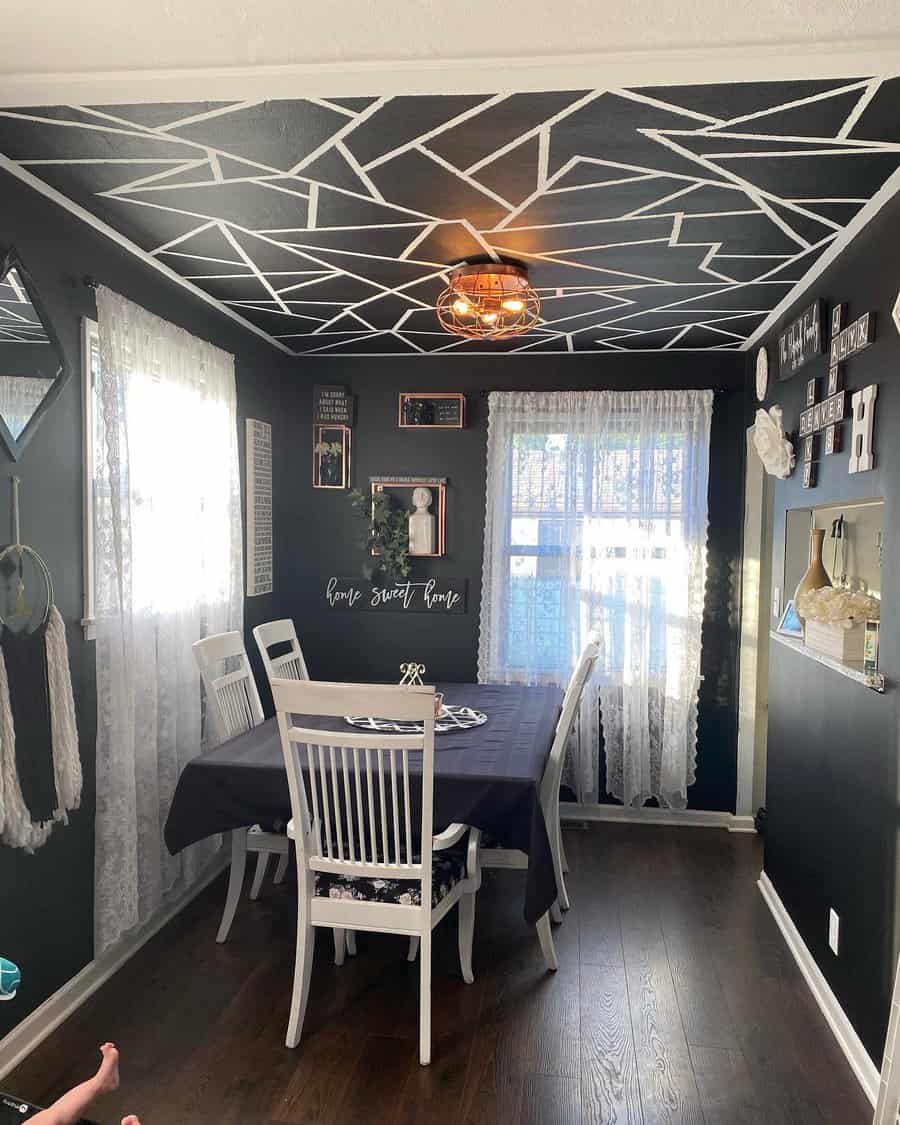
x=20 y=396
x=168 y=571
x=597 y=516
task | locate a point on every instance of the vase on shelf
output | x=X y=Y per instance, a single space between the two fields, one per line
x=816 y=575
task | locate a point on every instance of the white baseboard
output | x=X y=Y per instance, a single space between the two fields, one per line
x=849 y=1042
x=35 y=1028
x=683 y=818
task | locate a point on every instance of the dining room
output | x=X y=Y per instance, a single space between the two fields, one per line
x=430 y=687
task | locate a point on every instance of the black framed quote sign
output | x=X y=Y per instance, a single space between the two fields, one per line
x=801 y=341
x=332 y=406
x=405 y=595
x=440 y=411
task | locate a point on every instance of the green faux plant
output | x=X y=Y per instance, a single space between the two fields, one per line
x=387 y=532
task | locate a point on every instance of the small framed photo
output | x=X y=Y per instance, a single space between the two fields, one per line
x=790 y=624
x=833 y=439
x=811 y=391
x=835 y=378
x=809 y=474
x=809 y=448
x=331 y=456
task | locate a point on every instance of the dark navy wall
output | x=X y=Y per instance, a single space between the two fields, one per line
x=46 y=899
x=833 y=744
x=323 y=536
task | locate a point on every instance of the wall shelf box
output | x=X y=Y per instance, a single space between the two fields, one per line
x=445 y=411
x=846 y=645
x=403 y=487
x=853 y=669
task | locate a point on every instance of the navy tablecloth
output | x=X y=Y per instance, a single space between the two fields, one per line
x=488 y=777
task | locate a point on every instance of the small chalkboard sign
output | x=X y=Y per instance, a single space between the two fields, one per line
x=333 y=406
x=432 y=411
x=801 y=341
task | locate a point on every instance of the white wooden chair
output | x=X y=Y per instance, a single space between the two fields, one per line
x=360 y=865
x=233 y=707
x=510 y=857
x=290 y=665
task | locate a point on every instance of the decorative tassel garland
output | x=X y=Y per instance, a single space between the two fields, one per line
x=17 y=829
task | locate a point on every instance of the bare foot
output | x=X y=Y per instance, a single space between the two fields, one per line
x=107 y=1076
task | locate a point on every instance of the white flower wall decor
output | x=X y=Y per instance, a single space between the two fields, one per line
x=774 y=449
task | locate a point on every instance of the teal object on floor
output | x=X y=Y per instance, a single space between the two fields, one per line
x=10 y=979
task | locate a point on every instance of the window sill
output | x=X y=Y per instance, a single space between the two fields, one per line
x=852 y=669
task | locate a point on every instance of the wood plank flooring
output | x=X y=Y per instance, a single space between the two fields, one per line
x=676 y=1003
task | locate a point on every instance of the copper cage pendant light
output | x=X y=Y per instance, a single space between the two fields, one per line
x=490 y=301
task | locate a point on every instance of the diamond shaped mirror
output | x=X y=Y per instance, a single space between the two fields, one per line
x=31 y=361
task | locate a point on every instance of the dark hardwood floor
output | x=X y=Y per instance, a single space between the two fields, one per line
x=676 y=1002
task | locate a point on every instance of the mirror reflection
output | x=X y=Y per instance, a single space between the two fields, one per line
x=29 y=360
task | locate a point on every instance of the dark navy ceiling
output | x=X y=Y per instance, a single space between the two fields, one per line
x=674 y=217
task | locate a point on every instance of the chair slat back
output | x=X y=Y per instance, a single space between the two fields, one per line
x=571 y=700
x=232 y=699
x=350 y=790
x=290 y=665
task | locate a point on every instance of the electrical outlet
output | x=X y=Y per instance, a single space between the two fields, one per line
x=834 y=931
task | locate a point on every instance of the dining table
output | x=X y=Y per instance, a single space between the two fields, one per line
x=487 y=777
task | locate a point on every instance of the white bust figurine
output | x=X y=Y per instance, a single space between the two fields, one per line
x=421 y=523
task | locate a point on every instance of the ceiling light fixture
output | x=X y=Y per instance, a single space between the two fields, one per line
x=489 y=302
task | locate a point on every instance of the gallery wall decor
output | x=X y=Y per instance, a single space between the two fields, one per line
x=331 y=456
x=260 y=569
x=772 y=444
x=762 y=374
x=426 y=501
x=895 y=312
x=446 y=411
x=801 y=341
x=862 y=452
x=660 y=218
x=426 y=595
x=332 y=406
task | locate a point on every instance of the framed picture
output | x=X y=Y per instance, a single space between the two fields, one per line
x=331 y=456
x=790 y=624
x=425 y=499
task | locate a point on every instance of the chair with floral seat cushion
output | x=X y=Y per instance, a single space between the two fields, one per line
x=367 y=858
x=493 y=853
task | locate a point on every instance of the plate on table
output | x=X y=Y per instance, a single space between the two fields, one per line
x=451 y=718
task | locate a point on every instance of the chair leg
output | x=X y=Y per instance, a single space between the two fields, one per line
x=302 y=972
x=281 y=869
x=557 y=850
x=262 y=862
x=545 y=937
x=340 y=946
x=466 y=935
x=425 y=998
x=235 y=881
x=413 y=952
x=350 y=938
x=556 y=914
x=562 y=854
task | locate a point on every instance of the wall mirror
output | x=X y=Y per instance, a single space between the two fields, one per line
x=32 y=367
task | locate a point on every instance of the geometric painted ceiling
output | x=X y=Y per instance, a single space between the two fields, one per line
x=655 y=218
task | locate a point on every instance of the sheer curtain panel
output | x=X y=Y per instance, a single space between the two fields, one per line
x=597 y=516
x=168 y=571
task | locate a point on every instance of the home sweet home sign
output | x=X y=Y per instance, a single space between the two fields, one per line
x=406 y=595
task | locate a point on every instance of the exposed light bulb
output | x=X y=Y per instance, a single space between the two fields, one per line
x=514 y=304
x=488 y=317
x=461 y=307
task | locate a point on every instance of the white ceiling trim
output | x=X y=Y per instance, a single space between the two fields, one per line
x=660 y=67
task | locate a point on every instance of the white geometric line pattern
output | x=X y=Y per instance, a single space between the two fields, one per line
x=668 y=219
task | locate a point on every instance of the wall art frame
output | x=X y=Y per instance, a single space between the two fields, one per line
x=438 y=487
x=331 y=456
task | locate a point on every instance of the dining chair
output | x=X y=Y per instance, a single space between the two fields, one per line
x=233 y=707
x=288 y=665
x=361 y=864
x=494 y=855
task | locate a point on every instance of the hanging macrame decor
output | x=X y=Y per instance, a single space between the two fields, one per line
x=40 y=767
